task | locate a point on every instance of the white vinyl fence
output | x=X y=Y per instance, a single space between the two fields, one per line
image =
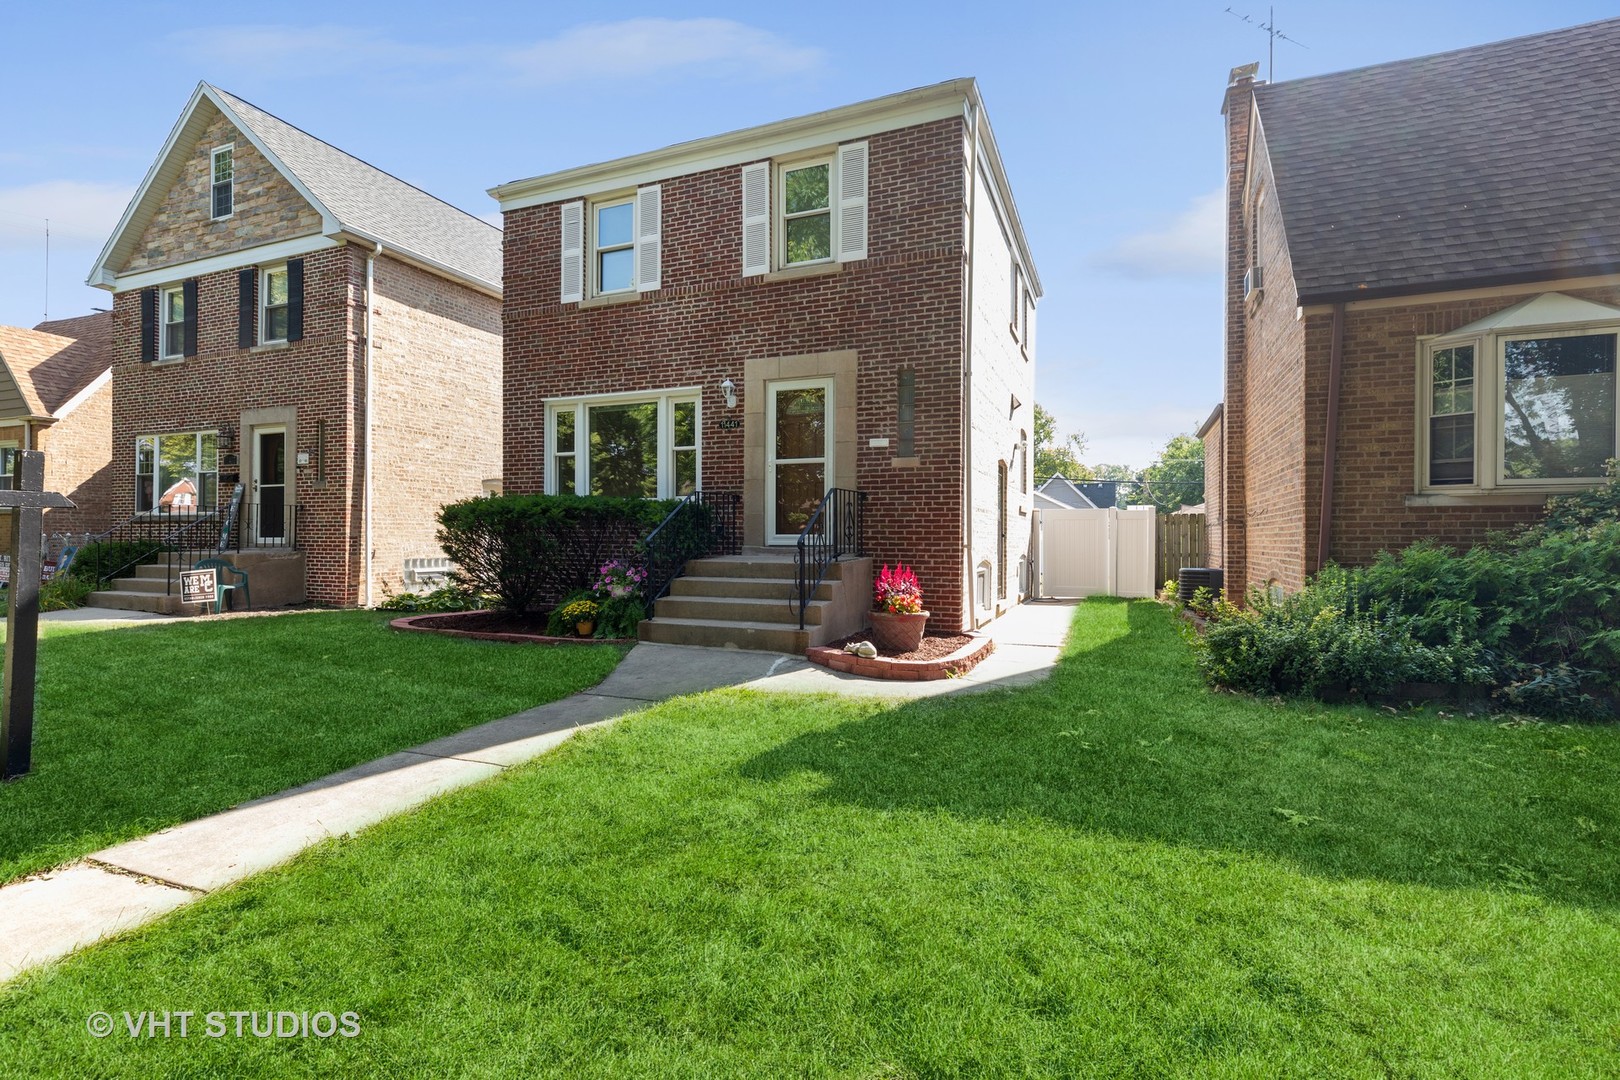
x=1095 y=552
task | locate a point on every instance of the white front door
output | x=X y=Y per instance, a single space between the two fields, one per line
x=269 y=508
x=798 y=454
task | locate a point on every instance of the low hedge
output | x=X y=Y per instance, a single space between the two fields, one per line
x=531 y=551
x=1534 y=616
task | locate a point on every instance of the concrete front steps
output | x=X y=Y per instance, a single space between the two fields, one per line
x=749 y=601
x=276 y=577
x=149 y=590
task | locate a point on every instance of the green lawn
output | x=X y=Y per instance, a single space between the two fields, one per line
x=137 y=729
x=1114 y=873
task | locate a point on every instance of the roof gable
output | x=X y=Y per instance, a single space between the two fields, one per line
x=41 y=372
x=350 y=196
x=1486 y=165
x=1548 y=309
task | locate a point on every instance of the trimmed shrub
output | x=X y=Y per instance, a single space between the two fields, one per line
x=531 y=551
x=1534 y=615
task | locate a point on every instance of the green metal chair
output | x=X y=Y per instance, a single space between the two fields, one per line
x=224 y=587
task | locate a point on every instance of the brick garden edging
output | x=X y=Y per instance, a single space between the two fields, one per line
x=959 y=662
x=410 y=623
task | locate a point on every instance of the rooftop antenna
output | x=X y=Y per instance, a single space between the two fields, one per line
x=1274 y=34
x=47 y=270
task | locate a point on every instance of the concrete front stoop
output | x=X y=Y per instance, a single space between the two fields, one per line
x=749 y=601
x=276 y=578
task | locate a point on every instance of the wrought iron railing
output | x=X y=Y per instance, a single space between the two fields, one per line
x=177 y=539
x=701 y=524
x=836 y=530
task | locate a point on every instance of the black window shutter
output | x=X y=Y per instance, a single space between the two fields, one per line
x=148 y=325
x=295 y=299
x=246 y=307
x=188 y=291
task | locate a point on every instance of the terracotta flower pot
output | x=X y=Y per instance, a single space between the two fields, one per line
x=585 y=629
x=898 y=633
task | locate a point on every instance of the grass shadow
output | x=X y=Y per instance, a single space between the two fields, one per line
x=1125 y=739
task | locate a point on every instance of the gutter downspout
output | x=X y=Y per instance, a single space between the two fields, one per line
x=365 y=533
x=969 y=575
x=1330 y=449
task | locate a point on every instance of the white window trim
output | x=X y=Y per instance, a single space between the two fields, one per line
x=164 y=323
x=264 y=306
x=779 y=214
x=157 y=495
x=213 y=160
x=580 y=406
x=1490 y=391
x=602 y=202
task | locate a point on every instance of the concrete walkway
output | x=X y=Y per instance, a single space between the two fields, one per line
x=115 y=889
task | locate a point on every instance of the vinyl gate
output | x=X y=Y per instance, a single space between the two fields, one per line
x=1095 y=552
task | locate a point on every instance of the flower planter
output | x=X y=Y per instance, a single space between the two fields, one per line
x=585 y=629
x=898 y=633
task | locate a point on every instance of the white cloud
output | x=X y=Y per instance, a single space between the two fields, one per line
x=295 y=52
x=635 y=49
x=1192 y=245
x=620 y=54
x=82 y=213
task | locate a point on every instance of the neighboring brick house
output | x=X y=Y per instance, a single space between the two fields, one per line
x=858 y=279
x=56 y=397
x=292 y=318
x=1422 y=302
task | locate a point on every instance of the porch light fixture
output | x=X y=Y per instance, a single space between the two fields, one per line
x=226 y=436
x=729 y=389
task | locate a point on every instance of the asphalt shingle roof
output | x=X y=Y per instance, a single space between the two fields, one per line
x=1491 y=164
x=55 y=360
x=365 y=198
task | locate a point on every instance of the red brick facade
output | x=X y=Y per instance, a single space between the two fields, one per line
x=436 y=333
x=1266 y=454
x=901 y=307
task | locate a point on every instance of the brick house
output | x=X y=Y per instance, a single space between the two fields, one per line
x=293 y=319
x=56 y=397
x=1422 y=302
x=840 y=301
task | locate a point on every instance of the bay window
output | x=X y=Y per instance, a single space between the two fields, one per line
x=1522 y=400
x=634 y=446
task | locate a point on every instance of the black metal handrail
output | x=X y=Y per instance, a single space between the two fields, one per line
x=177 y=539
x=835 y=531
x=701 y=524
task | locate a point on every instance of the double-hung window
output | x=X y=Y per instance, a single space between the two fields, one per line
x=172 y=308
x=176 y=474
x=613 y=246
x=1522 y=400
x=805 y=211
x=222 y=190
x=628 y=445
x=273 y=304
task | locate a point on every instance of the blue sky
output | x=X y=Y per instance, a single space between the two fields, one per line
x=1107 y=117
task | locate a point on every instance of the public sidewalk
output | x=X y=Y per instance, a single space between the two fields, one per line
x=118 y=888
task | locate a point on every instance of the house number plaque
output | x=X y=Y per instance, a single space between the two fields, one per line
x=730 y=425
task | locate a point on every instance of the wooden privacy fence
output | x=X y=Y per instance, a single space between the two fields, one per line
x=1181 y=543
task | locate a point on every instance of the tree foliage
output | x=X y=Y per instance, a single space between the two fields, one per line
x=1057 y=455
x=1176 y=477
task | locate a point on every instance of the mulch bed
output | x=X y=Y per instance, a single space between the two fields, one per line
x=492 y=626
x=941 y=656
x=933 y=646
